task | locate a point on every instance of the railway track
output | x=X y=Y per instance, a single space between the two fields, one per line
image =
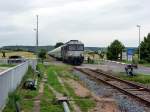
x=138 y=92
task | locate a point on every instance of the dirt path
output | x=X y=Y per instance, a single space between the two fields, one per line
x=75 y=107
x=36 y=107
x=102 y=104
x=79 y=89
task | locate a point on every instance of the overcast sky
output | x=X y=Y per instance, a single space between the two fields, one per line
x=94 y=22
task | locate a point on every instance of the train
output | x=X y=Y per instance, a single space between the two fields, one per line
x=71 y=52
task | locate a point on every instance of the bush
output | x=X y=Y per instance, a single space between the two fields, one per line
x=114 y=50
x=142 y=61
x=135 y=60
x=42 y=54
x=145 y=48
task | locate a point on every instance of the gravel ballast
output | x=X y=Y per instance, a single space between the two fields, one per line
x=125 y=103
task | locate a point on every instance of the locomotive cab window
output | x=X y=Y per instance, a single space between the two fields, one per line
x=80 y=47
x=76 y=47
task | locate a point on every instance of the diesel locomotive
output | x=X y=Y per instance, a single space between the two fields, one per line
x=71 y=52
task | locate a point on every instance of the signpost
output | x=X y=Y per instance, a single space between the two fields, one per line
x=130 y=52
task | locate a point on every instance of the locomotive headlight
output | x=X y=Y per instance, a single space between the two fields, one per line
x=70 y=54
x=81 y=55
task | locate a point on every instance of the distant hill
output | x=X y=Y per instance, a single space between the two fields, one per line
x=27 y=48
x=33 y=48
x=49 y=48
x=93 y=48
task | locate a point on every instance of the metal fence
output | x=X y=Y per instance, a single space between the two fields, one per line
x=14 y=61
x=11 y=78
x=3 y=61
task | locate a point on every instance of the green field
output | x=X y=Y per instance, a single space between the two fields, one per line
x=7 y=65
x=19 y=53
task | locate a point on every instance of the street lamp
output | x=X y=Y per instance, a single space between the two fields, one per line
x=139 y=39
x=37 y=31
x=37 y=39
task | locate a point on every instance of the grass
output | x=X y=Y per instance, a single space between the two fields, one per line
x=47 y=102
x=7 y=65
x=19 y=53
x=127 y=62
x=13 y=97
x=52 y=72
x=25 y=96
x=146 y=64
x=141 y=78
x=53 y=80
x=41 y=67
x=27 y=105
x=94 y=62
x=63 y=71
x=85 y=103
x=48 y=107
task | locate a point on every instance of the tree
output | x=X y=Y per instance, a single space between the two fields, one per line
x=42 y=54
x=58 y=44
x=145 y=49
x=114 y=50
x=101 y=53
x=3 y=54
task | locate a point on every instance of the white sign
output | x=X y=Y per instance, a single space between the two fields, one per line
x=130 y=57
x=124 y=55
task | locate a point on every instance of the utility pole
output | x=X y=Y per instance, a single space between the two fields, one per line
x=37 y=38
x=139 y=40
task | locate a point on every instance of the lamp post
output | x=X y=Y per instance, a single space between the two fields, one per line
x=139 y=28
x=37 y=38
x=37 y=31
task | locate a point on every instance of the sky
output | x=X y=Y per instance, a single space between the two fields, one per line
x=94 y=22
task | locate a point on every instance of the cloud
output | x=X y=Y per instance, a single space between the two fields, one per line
x=95 y=22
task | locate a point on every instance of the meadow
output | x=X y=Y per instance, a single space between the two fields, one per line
x=19 y=53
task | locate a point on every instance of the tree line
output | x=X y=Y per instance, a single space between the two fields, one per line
x=114 y=50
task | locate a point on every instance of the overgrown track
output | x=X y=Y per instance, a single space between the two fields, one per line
x=138 y=92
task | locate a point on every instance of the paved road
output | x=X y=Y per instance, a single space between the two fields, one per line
x=116 y=67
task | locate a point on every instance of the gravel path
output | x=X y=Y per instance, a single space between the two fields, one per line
x=125 y=103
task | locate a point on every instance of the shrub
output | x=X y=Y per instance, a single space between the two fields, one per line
x=142 y=61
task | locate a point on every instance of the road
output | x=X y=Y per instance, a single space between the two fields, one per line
x=111 y=66
x=116 y=67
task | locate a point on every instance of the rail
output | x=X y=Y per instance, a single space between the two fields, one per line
x=136 y=91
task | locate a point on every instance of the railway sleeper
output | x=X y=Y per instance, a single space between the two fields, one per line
x=130 y=93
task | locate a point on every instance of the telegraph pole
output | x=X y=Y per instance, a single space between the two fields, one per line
x=139 y=40
x=37 y=35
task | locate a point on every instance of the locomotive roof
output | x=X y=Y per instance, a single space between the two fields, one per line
x=69 y=42
x=74 y=42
